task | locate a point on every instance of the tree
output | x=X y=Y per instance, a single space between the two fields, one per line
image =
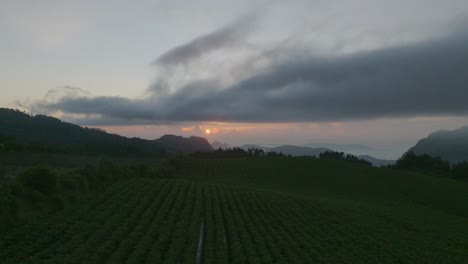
x=423 y=162
x=342 y=156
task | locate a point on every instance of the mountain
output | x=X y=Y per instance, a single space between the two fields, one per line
x=448 y=145
x=347 y=148
x=290 y=150
x=299 y=151
x=179 y=144
x=220 y=145
x=389 y=152
x=308 y=151
x=377 y=162
x=20 y=130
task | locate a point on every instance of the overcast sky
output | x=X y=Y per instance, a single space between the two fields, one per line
x=373 y=72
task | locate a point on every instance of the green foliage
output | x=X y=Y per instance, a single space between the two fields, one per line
x=274 y=154
x=433 y=165
x=252 y=210
x=8 y=211
x=424 y=162
x=460 y=170
x=3 y=171
x=22 y=132
x=235 y=152
x=43 y=133
x=42 y=179
x=43 y=190
x=342 y=156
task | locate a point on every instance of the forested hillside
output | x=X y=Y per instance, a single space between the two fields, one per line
x=20 y=131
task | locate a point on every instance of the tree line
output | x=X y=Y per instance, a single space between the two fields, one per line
x=237 y=152
x=433 y=165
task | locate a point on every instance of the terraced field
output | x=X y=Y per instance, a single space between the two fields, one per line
x=257 y=211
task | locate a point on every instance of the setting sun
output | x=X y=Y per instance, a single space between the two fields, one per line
x=207 y=131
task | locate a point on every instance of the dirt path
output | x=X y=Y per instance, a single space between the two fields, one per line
x=200 y=241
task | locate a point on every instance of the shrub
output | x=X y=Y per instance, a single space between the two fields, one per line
x=41 y=179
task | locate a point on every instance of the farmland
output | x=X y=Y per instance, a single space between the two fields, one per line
x=257 y=210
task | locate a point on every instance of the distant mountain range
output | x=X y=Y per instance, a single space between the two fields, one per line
x=47 y=133
x=348 y=148
x=448 y=145
x=377 y=162
x=220 y=145
x=310 y=151
x=285 y=149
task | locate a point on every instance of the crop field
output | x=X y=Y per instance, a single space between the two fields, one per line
x=285 y=210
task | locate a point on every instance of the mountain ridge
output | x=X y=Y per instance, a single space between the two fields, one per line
x=451 y=145
x=294 y=150
x=40 y=132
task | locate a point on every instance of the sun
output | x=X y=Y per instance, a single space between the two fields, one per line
x=207 y=131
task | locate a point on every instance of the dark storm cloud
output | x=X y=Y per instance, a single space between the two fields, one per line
x=424 y=79
x=113 y=107
x=225 y=36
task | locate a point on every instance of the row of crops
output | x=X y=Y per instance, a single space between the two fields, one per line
x=378 y=215
x=190 y=220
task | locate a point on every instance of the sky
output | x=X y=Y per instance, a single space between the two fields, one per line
x=372 y=72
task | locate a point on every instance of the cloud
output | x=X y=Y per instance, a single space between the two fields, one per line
x=421 y=79
x=228 y=35
x=222 y=54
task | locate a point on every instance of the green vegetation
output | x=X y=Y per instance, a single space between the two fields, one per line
x=22 y=132
x=41 y=179
x=31 y=191
x=433 y=165
x=249 y=210
x=342 y=156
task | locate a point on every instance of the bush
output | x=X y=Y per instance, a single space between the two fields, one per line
x=42 y=179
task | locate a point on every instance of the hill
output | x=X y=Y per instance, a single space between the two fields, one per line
x=179 y=144
x=20 y=130
x=356 y=149
x=448 y=145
